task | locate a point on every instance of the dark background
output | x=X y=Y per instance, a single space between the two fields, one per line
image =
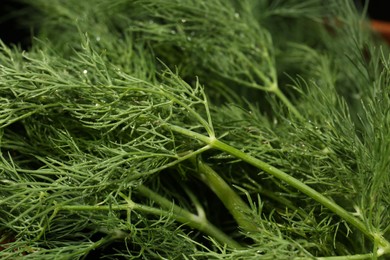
x=379 y=9
x=14 y=31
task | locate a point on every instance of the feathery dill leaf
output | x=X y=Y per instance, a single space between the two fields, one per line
x=195 y=130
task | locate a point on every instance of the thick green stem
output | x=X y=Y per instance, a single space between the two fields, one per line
x=345 y=257
x=331 y=205
x=198 y=222
x=179 y=214
x=236 y=206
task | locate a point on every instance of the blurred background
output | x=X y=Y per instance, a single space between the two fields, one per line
x=13 y=30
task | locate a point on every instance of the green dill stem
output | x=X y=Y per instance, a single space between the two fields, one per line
x=176 y=100
x=348 y=257
x=272 y=86
x=198 y=222
x=289 y=204
x=287 y=102
x=179 y=159
x=132 y=206
x=344 y=257
x=179 y=214
x=236 y=206
x=215 y=143
x=35 y=109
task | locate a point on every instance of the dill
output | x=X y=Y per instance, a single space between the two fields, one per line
x=195 y=130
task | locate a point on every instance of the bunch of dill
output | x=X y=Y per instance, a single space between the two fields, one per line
x=181 y=129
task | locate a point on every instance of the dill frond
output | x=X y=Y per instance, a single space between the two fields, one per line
x=195 y=130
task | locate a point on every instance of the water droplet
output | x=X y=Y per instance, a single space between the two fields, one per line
x=85 y=72
x=183 y=20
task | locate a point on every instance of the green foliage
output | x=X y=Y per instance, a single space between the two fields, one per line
x=189 y=129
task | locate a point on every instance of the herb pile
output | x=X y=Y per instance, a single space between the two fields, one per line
x=180 y=129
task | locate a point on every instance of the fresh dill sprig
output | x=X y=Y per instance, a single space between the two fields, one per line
x=195 y=130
